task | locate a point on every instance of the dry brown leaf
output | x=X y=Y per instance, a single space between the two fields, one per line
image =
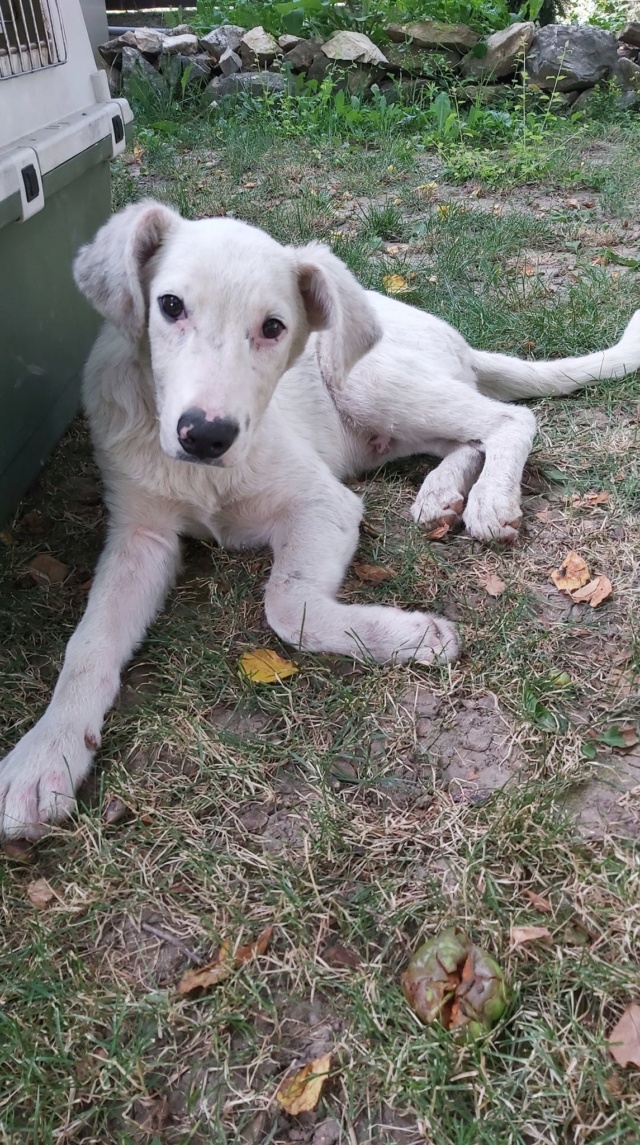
x=245 y=953
x=539 y=902
x=39 y=893
x=35 y=523
x=572 y=574
x=543 y=515
x=492 y=585
x=373 y=574
x=19 y=851
x=264 y=666
x=522 y=934
x=115 y=809
x=596 y=498
x=341 y=957
x=301 y=1092
x=630 y=736
x=221 y=967
x=624 y=1039
x=439 y=532
x=201 y=977
x=45 y=570
x=593 y=593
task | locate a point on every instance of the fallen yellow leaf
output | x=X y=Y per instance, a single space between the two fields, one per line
x=593 y=593
x=572 y=574
x=521 y=934
x=301 y=1093
x=264 y=666
x=395 y=284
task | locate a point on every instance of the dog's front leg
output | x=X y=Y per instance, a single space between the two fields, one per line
x=313 y=545
x=39 y=778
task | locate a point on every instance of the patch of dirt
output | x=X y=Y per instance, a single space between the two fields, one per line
x=147 y=950
x=289 y=825
x=244 y=720
x=610 y=803
x=470 y=745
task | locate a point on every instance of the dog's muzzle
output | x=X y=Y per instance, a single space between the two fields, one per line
x=206 y=440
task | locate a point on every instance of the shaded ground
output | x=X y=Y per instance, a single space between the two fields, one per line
x=353 y=807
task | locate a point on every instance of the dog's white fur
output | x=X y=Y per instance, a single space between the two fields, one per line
x=356 y=378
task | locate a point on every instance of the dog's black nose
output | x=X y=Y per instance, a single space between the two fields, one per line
x=206 y=439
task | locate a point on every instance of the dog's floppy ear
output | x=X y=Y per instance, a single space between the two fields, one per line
x=109 y=270
x=337 y=305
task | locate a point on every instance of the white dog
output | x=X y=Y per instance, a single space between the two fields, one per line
x=236 y=384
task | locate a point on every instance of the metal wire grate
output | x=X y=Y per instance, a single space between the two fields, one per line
x=31 y=36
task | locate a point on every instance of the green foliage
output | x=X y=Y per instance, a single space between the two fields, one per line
x=321 y=17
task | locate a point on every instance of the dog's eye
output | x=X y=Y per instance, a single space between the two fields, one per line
x=272 y=328
x=172 y=306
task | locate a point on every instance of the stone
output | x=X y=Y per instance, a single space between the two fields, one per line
x=627 y=74
x=136 y=68
x=474 y=93
x=358 y=79
x=253 y=83
x=630 y=34
x=504 y=52
x=199 y=68
x=114 y=78
x=564 y=57
x=111 y=51
x=180 y=45
x=434 y=34
x=353 y=47
x=287 y=42
x=180 y=30
x=218 y=41
x=148 y=40
x=258 y=47
x=230 y=62
x=407 y=59
x=301 y=57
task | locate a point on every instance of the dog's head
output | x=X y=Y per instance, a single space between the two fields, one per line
x=226 y=311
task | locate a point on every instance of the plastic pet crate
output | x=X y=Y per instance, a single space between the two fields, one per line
x=59 y=129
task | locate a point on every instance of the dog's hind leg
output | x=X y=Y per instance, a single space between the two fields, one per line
x=444 y=491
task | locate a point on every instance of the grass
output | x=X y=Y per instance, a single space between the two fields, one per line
x=322 y=805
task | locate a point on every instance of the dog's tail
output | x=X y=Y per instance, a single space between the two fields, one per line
x=503 y=377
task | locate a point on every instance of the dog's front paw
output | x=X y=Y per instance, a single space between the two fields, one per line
x=39 y=779
x=427 y=639
x=491 y=516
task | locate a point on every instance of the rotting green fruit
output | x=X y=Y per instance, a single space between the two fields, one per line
x=451 y=981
